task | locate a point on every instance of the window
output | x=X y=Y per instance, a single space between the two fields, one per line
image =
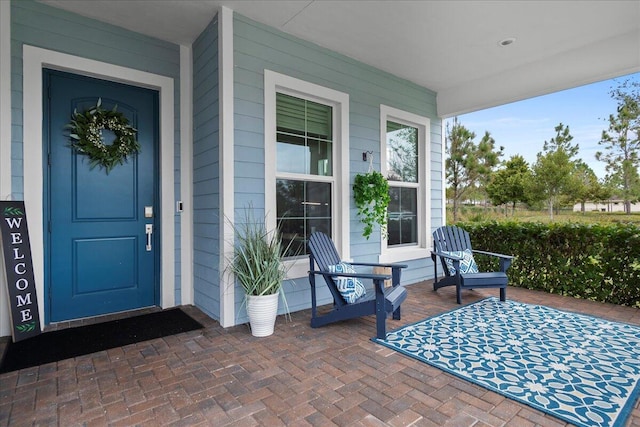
x=306 y=159
x=404 y=139
x=402 y=173
x=304 y=173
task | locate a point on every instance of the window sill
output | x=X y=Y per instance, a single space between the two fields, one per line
x=297 y=268
x=404 y=254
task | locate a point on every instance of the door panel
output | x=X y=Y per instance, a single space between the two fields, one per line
x=97 y=259
x=86 y=182
x=103 y=255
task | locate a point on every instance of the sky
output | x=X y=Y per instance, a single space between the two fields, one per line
x=523 y=127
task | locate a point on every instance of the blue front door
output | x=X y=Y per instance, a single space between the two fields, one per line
x=99 y=256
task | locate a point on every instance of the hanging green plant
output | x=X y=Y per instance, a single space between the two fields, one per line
x=86 y=136
x=371 y=194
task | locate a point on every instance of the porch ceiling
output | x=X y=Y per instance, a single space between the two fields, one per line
x=451 y=47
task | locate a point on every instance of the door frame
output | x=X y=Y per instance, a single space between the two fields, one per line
x=34 y=61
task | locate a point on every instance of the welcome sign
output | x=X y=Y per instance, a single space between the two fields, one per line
x=18 y=265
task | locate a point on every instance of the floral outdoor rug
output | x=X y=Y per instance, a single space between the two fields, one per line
x=581 y=369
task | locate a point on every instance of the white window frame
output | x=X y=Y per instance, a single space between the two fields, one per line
x=421 y=249
x=339 y=101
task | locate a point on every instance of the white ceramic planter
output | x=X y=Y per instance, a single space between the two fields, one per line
x=262 y=311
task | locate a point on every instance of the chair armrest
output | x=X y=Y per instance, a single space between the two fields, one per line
x=493 y=254
x=505 y=260
x=396 y=270
x=378 y=279
x=370 y=264
x=355 y=275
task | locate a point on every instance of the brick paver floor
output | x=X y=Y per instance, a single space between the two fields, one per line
x=299 y=376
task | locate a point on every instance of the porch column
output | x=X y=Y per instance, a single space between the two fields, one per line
x=227 y=173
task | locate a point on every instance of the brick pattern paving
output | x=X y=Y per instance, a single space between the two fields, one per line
x=299 y=376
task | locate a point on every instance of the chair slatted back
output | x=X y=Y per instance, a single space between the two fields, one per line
x=450 y=238
x=323 y=253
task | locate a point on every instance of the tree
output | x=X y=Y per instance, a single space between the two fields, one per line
x=553 y=171
x=588 y=186
x=468 y=166
x=487 y=159
x=460 y=162
x=622 y=143
x=509 y=185
x=616 y=183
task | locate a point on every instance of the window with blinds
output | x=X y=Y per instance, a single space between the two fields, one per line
x=305 y=136
x=304 y=170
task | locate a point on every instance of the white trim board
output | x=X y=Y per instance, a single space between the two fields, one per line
x=227 y=170
x=34 y=60
x=186 y=175
x=5 y=100
x=5 y=139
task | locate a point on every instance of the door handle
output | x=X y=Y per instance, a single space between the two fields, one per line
x=148 y=228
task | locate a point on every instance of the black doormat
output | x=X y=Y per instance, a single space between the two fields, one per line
x=67 y=343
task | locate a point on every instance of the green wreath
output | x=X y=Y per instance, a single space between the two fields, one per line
x=86 y=136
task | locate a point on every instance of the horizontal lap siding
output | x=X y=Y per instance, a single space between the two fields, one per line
x=42 y=26
x=47 y=27
x=206 y=172
x=258 y=47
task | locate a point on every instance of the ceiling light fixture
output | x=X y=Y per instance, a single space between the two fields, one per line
x=506 y=42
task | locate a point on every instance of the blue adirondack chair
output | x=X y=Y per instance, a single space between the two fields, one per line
x=323 y=254
x=450 y=239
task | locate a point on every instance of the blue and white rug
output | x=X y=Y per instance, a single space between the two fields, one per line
x=578 y=368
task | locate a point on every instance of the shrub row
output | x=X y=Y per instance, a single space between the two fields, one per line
x=592 y=261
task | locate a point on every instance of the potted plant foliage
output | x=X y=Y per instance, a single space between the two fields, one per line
x=257 y=265
x=371 y=194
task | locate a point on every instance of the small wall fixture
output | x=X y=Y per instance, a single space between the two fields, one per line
x=506 y=42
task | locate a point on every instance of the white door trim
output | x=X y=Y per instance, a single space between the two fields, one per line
x=34 y=60
x=5 y=140
x=5 y=102
x=186 y=175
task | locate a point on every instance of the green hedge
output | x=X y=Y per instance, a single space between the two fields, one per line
x=597 y=262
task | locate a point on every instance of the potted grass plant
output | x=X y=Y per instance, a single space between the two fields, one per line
x=257 y=266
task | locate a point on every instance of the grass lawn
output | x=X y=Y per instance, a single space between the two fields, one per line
x=478 y=213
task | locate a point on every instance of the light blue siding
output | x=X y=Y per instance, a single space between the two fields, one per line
x=46 y=27
x=258 y=47
x=206 y=172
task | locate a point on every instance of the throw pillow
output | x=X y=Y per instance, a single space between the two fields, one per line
x=467 y=263
x=350 y=288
